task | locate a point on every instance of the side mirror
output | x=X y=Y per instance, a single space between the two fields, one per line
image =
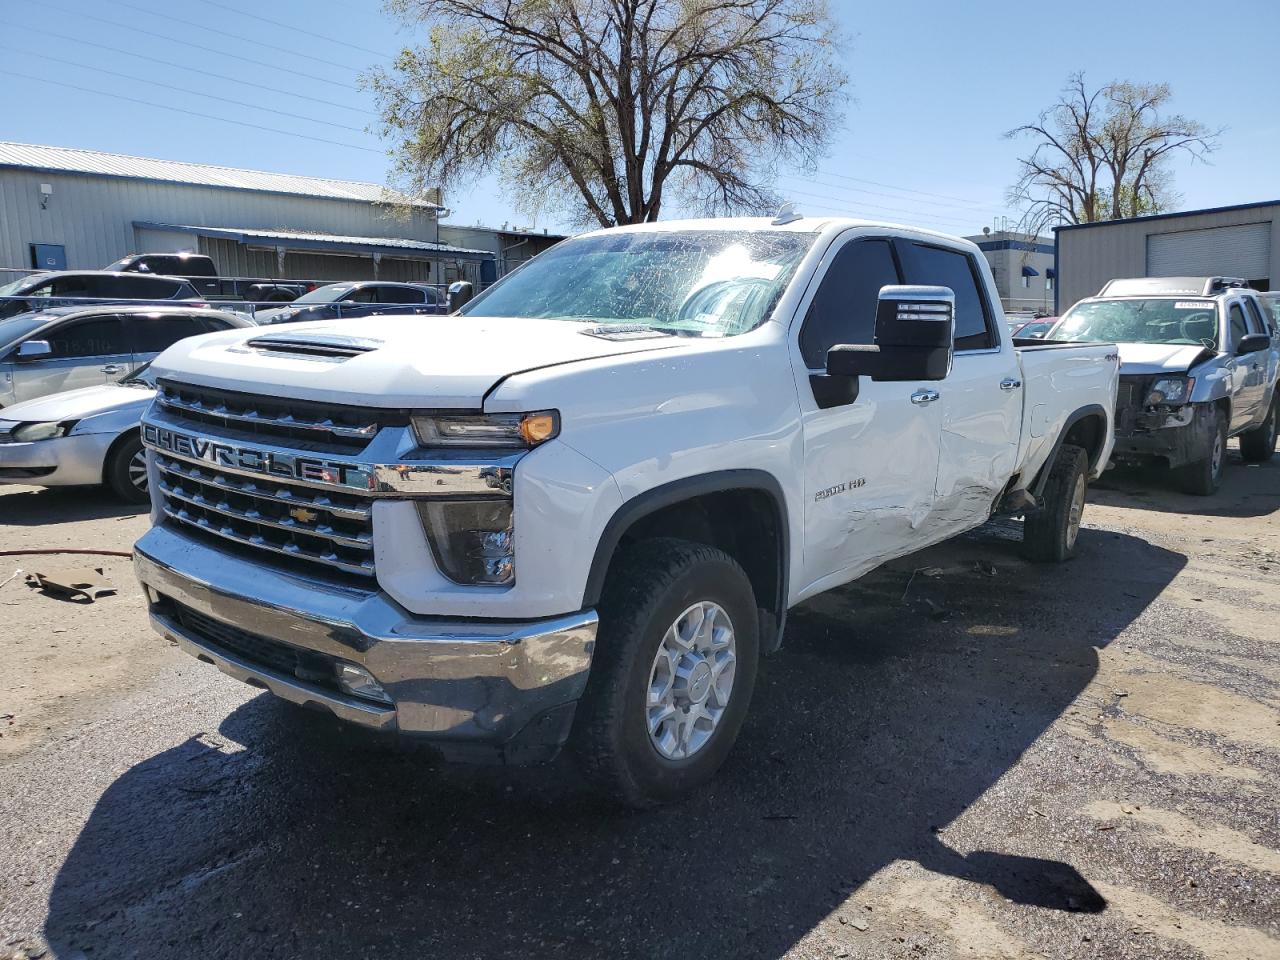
x=915 y=327
x=1252 y=343
x=459 y=294
x=33 y=350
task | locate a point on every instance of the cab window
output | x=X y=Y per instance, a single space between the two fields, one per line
x=99 y=337
x=844 y=308
x=937 y=266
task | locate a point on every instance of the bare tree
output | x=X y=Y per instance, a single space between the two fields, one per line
x=1104 y=154
x=607 y=108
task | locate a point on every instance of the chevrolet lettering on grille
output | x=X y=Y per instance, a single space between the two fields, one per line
x=270 y=462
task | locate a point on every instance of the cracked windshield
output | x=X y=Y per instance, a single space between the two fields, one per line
x=1141 y=321
x=713 y=283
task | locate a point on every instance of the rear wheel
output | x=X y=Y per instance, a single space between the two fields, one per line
x=672 y=675
x=1204 y=476
x=1259 y=445
x=1050 y=534
x=126 y=470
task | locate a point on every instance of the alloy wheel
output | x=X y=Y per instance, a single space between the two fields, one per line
x=691 y=680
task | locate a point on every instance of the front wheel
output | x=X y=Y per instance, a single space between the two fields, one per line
x=1203 y=477
x=1050 y=534
x=126 y=470
x=672 y=675
x=1259 y=444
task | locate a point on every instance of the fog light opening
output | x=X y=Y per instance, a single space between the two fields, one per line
x=359 y=682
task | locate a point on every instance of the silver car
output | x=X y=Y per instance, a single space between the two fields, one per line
x=71 y=347
x=80 y=437
x=1199 y=360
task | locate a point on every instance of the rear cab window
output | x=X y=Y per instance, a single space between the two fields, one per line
x=930 y=265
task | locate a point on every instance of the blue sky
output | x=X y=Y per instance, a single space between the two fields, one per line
x=933 y=87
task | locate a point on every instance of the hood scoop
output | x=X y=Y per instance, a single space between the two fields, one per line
x=315 y=346
x=623 y=331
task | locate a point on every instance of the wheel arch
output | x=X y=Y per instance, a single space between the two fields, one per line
x=116 y=444
x=717 y=508
x=1086 y=427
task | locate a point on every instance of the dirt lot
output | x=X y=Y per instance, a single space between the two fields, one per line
x=962 y=755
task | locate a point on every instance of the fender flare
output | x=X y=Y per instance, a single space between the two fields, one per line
x=689 y=488
x=1090 y=410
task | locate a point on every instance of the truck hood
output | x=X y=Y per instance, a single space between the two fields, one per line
x=391 y=361
x=1153 y=358
x=78 y=404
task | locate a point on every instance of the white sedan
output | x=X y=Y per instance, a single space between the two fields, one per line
x=80 y=437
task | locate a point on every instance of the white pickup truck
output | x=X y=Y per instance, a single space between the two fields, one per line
x=577 y=511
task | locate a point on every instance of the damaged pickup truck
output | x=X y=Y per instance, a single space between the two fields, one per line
x=1199 y=358
x=577 y=511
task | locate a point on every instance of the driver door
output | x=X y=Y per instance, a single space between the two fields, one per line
x=1248 y=371
x=86 y=353
x=870 y=463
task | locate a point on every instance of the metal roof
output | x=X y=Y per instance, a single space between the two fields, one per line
x=72 y=160
x=323 y=241
x=1167 y=216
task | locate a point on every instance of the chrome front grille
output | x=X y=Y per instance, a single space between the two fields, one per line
x=330 y=424
x=265 y=513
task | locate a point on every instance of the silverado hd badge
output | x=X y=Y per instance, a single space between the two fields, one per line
x=272 y=462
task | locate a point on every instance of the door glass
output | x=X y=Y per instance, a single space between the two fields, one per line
x=152 y=334
x=363 y=295
x=1256 y=323
x=400 y=295
x=1239 y=328
x=99 y=337
x=934 y=266
x=844 y=308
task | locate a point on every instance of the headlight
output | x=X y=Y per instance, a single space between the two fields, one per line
x=1171 y=390
x=471 y=539
x=27 y=432
x=486 y=430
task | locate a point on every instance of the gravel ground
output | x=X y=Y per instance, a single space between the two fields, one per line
x=961 y=755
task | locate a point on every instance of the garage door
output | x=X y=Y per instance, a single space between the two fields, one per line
x=1240 y=251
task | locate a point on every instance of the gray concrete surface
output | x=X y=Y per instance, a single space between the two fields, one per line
x=1001 y=760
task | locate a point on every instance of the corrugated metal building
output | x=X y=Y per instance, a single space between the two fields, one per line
x=1239 y=241
x=84 y=209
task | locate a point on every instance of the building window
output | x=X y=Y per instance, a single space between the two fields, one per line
x=1026 y=283
x=1048 y=283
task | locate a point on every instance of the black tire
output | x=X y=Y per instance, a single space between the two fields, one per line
x=1203 y=477
x=120 y=470
x=1049 y=535
x=1259 y=444
x=648 y=589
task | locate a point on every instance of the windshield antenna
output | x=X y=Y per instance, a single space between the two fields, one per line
x=787 y=213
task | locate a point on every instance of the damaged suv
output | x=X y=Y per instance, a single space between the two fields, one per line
x=1199 y=357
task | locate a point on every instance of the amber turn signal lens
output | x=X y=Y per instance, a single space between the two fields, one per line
x=538 y=427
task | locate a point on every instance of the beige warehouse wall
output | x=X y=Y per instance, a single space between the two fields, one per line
x=1090 y=256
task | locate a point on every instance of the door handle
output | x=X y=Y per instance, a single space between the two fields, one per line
x=921 y=397
x=1010 y=383
x=113 y=368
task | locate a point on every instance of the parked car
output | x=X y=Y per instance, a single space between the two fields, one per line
x=1034 y=329
x=1199 y=359
x=41 y=291
x=358 y=299
x=70 y=347
x=578 y=511
x=202 y=273
x=80 y=437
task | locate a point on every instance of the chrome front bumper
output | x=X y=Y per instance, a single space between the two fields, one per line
x=477 y=688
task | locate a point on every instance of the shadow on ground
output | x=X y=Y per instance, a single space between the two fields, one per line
x=880 y=722
x=1248 y=490
x=40 y=506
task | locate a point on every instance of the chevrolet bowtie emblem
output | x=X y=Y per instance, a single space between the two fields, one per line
x=303 y=515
